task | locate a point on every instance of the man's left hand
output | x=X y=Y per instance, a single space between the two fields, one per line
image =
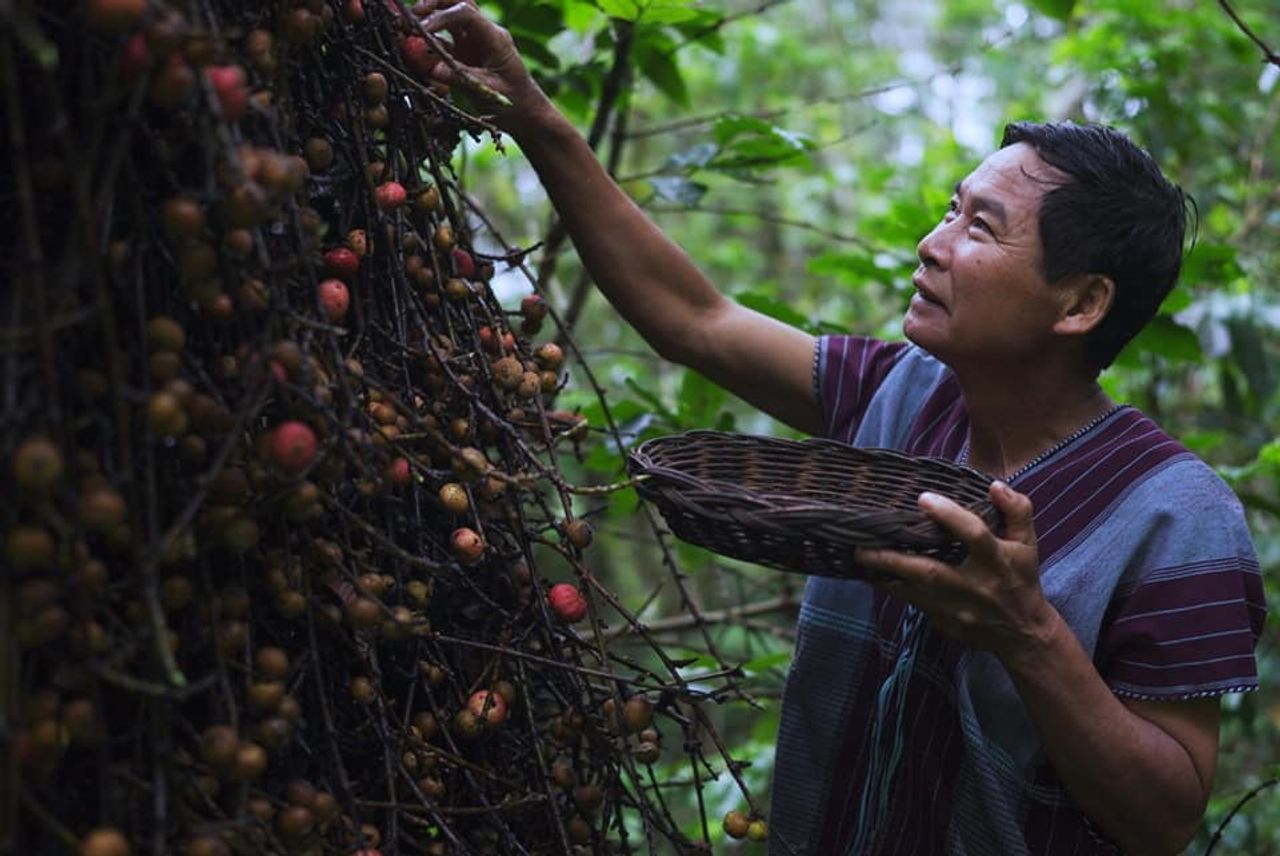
x=993 y=600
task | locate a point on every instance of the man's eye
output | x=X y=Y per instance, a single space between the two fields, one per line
x=981 y=224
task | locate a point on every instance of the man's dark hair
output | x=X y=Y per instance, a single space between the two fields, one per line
x=1117 y=215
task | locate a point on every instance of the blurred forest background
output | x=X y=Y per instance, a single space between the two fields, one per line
x=798 y=149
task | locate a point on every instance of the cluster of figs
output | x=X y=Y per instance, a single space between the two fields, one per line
x=289 y=565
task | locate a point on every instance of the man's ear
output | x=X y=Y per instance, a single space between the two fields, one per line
x=1088 y=301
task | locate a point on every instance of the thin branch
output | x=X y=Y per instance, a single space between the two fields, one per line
x=1268 y=54
x=1217 y=833
x=783 y=603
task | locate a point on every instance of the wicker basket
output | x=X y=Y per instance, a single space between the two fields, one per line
x=801 y=506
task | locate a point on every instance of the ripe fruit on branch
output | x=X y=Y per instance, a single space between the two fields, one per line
x=37 y=464
x=757 y=830
x=453 y=497
x=578 y=532
x=353 y=11
x=389 y=196
x=507 y=373
x=335 y=299
x=358 y=242
x=399 y=473
x=736 y=824
x=104 y=842
x=318 y=153
x=418 y=55
x=463 y=264
x=112 y=17
x=165 y=415
x=588 y=798
x=443 y=237
x=293 y=446
x=550 y=356
x=647 y=752
x=468 y=546
x=489 y=706
x=165 y=334
x=228 y=82
x=534 y=307
x=428 y=200
x=637 y=713
x=341 y=262
x=182 y=218
x=101 y=509
x=567 y=602
x=218 y=745
x=375 y=87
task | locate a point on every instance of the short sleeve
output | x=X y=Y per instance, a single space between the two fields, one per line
x=847 y=372
x=1188 y=627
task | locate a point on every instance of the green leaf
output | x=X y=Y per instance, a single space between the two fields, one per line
x=1060 y=9
x=580 y=16
x=535 y=48
x=767 y=662
x=699 y=401
x=729 y=127
x=1163 y=337
x=652 y=399
x=766 y=304
x=668 y=13
x=656 y=64
x=1210 y=263
x=626 y=10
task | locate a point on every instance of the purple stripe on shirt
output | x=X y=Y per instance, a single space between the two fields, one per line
x=939 y=418
x=1071 y=497
x=851 y=370
x=1211 y=642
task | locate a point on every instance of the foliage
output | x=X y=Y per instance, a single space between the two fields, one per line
x=800 y=149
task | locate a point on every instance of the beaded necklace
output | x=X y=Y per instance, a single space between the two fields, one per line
x=963 y=457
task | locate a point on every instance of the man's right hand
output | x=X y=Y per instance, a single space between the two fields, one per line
x=643 y=273
x=485 y=52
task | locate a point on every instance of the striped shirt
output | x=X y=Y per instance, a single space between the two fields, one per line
x=895 y=740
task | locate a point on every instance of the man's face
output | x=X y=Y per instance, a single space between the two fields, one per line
x=981 y=298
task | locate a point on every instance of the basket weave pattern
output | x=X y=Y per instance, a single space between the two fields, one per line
x=801 y=506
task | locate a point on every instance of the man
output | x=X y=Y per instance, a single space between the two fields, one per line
x=1058 y=692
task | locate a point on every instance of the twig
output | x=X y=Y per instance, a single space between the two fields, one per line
x=1268 y=54
x=730 y=615
x=1257 y=789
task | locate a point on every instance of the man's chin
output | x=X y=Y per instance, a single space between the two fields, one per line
x=923 y=338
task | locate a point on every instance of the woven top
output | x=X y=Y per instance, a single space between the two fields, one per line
x=802 y=505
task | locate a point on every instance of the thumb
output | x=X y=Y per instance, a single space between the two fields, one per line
x=1018 y=513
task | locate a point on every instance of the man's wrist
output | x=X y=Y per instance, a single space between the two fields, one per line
x=1041 y=643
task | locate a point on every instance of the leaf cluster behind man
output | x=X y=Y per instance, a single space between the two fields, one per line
x=1058 y=692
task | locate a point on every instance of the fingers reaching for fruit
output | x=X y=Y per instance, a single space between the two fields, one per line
x=484 y=61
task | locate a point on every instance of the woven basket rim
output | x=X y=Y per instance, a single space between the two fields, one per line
x=701 y=501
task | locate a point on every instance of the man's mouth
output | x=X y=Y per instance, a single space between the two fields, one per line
x=923 y=290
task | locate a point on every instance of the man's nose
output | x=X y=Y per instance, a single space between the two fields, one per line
x=932 y=247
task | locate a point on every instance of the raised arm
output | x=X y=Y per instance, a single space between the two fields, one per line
x=650 y=281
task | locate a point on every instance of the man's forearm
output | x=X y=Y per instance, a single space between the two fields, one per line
x=642 y=272
x=1134 y=780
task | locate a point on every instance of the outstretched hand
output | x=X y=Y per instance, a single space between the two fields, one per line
x=993 y=600
x=484 y=53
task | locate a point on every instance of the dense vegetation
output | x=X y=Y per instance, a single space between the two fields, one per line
x=799 y=149
x=317 y=529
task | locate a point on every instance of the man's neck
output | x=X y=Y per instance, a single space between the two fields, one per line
x=1011 y=424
